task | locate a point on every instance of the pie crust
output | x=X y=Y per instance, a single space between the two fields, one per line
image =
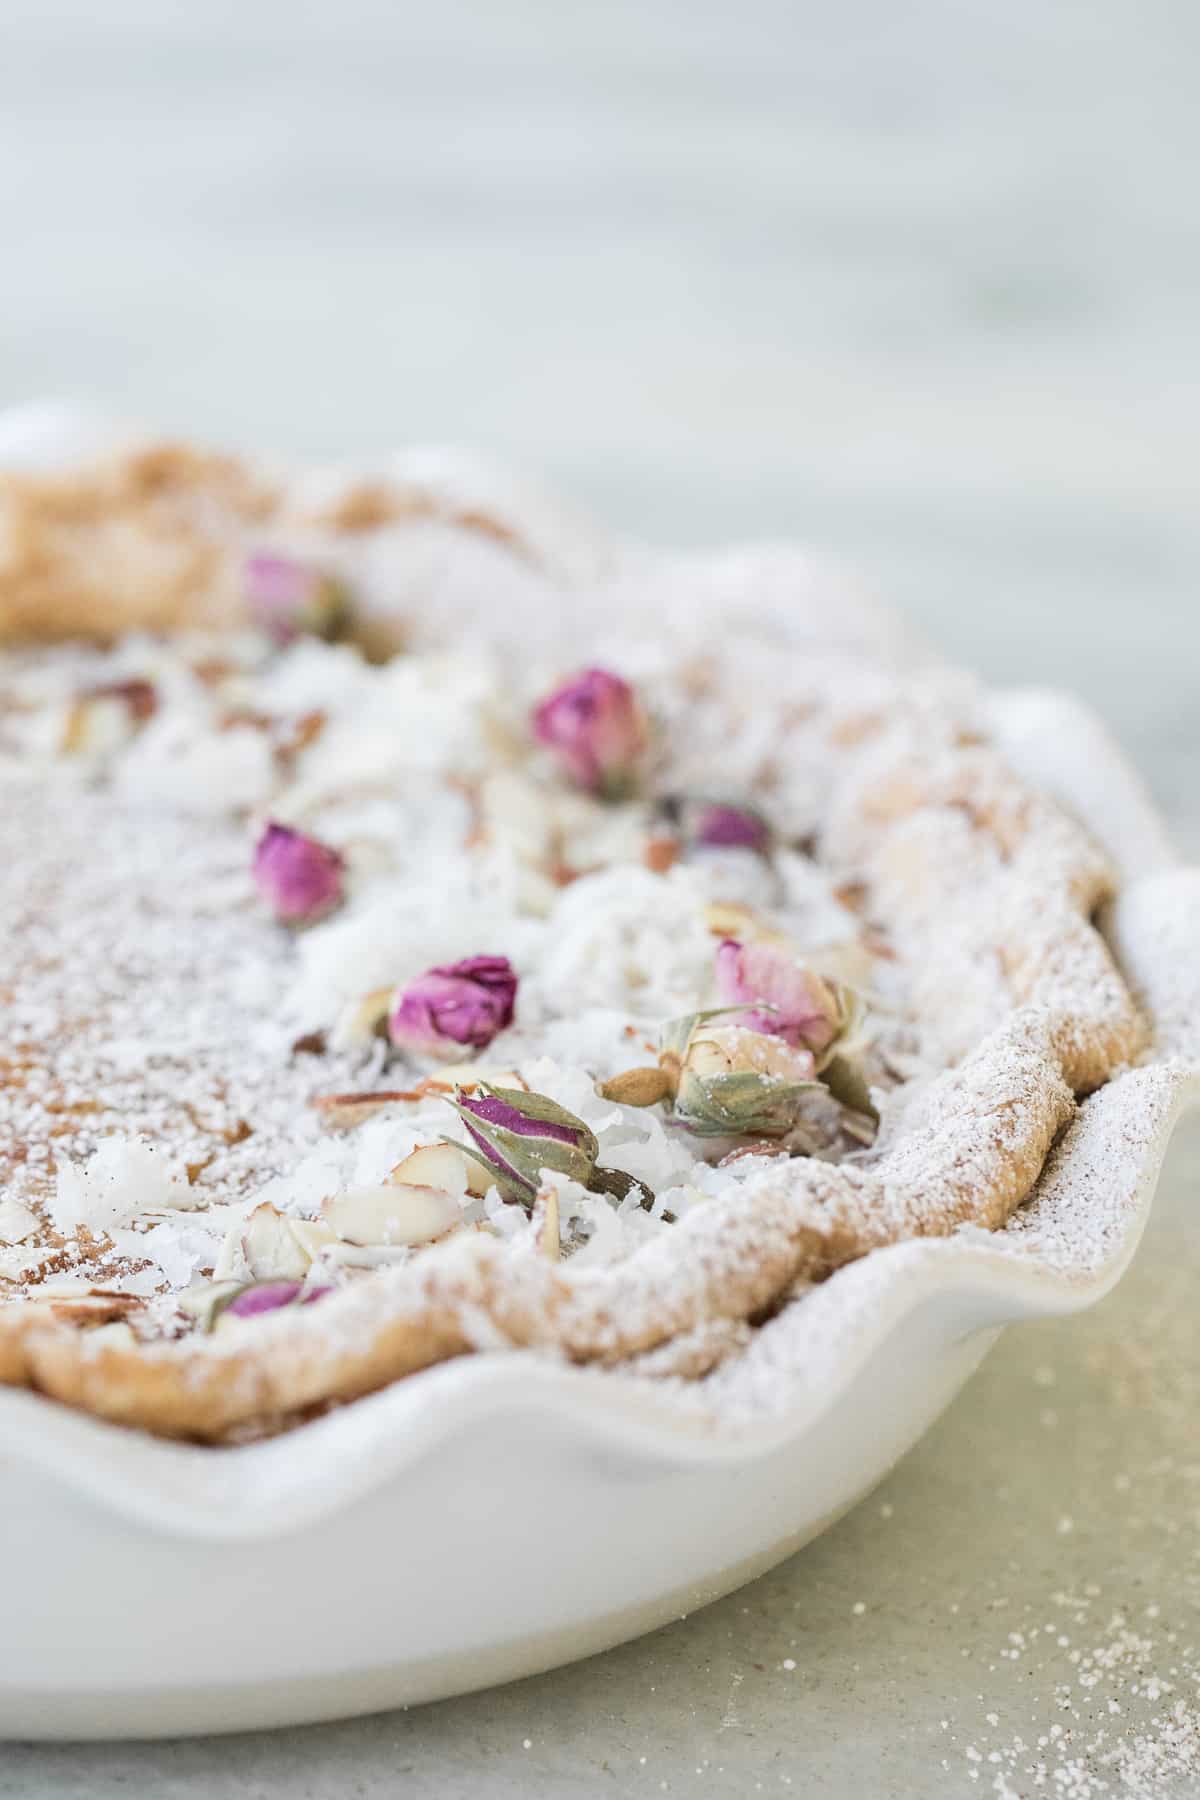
x=973 y=896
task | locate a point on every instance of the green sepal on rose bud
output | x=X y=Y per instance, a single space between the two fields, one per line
x=721 y=1080
x=516 y=1135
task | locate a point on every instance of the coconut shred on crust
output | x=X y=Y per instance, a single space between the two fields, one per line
x=206 y=1113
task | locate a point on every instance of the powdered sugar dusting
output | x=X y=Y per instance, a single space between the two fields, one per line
x=164 y=1043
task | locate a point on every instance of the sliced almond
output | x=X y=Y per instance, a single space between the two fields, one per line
x=92 y=1309
x=271 y=1248
x=479 y=1182
x=517 y=813
x=473 y=1075
x=312 y=1235
x=361 y=1020
x=65 y=1287
x=442 y=1166
x=96 y=723
x=16 y=1222
x=17 y=1263
x=551 y=1238
x=197 y=1301
x=366 y=1256
x=116 y=1335
x=850 y=961
x=536 y=892
x=392 y=1214
x=733 y=919
x=757 y=1147
x=344 y=1111
x=432 y=1165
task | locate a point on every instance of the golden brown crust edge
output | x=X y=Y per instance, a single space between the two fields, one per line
x=141 y=542
x=151 y=539
x=727 y=1262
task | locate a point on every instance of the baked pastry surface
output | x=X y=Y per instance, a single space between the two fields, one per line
x=196 y=1099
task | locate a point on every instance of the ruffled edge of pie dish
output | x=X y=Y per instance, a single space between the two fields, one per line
x=816 y=1347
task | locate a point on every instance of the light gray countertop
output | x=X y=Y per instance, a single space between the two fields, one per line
x=918 y=284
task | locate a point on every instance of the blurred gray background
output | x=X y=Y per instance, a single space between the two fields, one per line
x=918 y=282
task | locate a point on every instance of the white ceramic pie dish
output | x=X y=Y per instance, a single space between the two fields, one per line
x=501 y=1514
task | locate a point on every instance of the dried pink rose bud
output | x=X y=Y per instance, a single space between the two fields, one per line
x=269 y=1296
x=782 y=997
x=723 y=827
x=462 y=1003
x=735 y=1082
x=516 y=1135
x=287 y=598
x=300 y=878
x=255 y=1297
x=721 y=1080
x=595 y=726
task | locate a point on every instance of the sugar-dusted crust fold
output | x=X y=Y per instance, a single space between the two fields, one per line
x=990 y=1126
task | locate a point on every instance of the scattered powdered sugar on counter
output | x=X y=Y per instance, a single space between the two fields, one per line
x=1114 y=1707
x=1082 y=1678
